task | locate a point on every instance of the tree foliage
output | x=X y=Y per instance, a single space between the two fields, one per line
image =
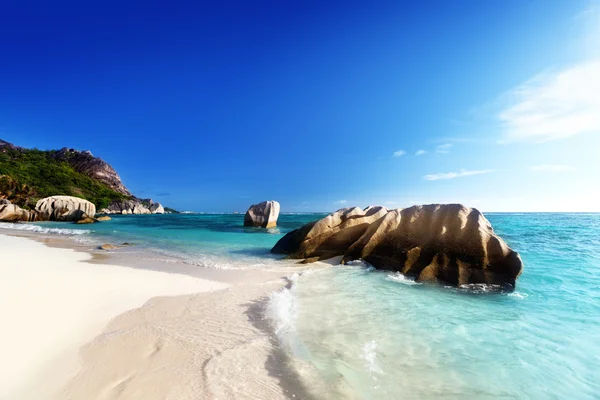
x=29 y=175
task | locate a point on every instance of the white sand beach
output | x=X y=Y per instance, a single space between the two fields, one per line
x=77 y=330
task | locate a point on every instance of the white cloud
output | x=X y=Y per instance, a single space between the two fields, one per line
x=420 y=152
x=452 y=175
x=443 y=148
x=555 y=105
x=552 y=168
x=589 y=19
x=390 y=202
x=341 y=202
x=399 y=153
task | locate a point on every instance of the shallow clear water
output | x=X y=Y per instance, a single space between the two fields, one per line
x=207 y=240
x=358 y=333
x=377 y=335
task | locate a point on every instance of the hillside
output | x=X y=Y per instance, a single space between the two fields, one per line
x=27 y=175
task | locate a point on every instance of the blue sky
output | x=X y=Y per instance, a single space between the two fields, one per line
x=318 y=105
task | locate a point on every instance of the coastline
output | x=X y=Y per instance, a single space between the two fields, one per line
x=127 y=329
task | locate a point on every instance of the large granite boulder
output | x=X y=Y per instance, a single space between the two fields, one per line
x=263 y=214
x=14 y=213
x=445 y=243
x=118 y=207
x=326 y=237
x=64 y=208
x=157 y=208
x=140 y=209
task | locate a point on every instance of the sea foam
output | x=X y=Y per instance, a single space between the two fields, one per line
x=41 y=229
x=282 y=310
x=398 y=277
x=369 y=354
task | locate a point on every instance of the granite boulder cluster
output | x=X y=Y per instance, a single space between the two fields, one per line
x=53 y=208
x=133 y=206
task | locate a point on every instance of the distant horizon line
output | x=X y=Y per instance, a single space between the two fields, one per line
x=329 y=212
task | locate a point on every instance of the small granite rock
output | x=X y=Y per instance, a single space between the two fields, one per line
x=107 y=246
x=103 y=218
x=4 y=202
x=263 y=214
x=86 y=220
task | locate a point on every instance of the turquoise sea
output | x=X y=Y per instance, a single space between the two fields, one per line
x=353 y=332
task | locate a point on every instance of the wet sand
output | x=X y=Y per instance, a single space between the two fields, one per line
x=77 y=326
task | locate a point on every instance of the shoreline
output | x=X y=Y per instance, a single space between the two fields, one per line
x=232 y=276
x=162 y=327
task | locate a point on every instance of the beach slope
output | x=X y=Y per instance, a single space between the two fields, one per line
x=77 y=330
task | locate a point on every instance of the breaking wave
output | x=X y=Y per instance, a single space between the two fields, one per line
x=41 y=229
x=398 y=277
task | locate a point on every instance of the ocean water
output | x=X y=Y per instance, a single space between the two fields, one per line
x=354 y=332
x=205 y=240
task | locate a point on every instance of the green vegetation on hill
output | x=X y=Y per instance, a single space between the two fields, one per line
x=29 y=175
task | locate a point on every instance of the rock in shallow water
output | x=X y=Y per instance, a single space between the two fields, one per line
x=445 y=243
x=86 y=220
x=263 y=214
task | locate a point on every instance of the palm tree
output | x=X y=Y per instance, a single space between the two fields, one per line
x=19 y=194
x=7 y=186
